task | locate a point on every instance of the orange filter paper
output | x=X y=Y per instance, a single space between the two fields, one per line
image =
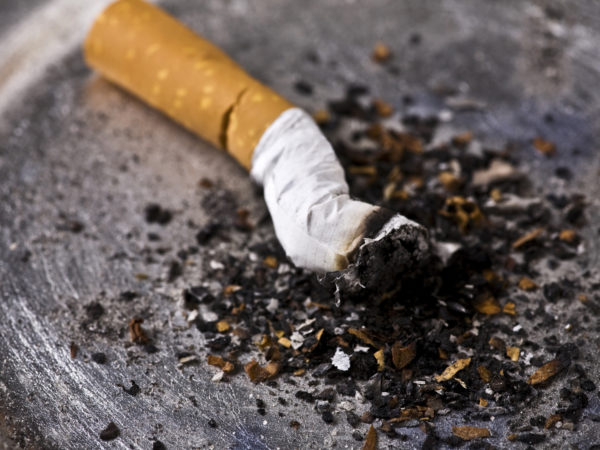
x=149 y=53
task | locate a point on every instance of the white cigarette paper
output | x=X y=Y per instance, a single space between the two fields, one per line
x=316 y=221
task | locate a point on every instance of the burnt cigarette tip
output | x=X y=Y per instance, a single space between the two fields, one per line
x=394 y=249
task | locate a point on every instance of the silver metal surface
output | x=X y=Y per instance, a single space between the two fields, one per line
x=72 y=144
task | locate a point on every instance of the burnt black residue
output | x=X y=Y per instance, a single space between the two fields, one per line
x=99 y=358
x=110 y=432
x=158 y=445
x=376 y=221
x=133 y=390
x=94 y=311
x=154 y=213
x=383 y=264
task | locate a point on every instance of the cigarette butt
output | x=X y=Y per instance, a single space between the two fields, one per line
x=150 y=54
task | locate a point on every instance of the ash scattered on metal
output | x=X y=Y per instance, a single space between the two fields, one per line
x=450 y=337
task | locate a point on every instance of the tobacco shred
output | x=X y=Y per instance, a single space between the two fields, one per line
x=552 y=421
x=488 y=305
x=527 y=284
x=453 y=369
x=221 y=363
x=513 y=353
x=467 y=433
x=382 y=108
x=371 y=440
x=380 y=358
x=256 y=373
x=526 y=238
x=363 y=336
x=73 y=350
x=484 y=373
x=136 y=332
x=546 y=372
x=381 y=52
x=402 y=356
x=544 y=146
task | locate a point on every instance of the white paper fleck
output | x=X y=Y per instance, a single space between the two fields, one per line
x=446 y=249
x=352 y=317
x=297 y=340
x=306 y=323
x=218 y=376
x=283 y=269
x=216 y=265
x=186 y=360
x=273 y=305
x=208 y=315
x=445 y=115
x=498 y=171
x=340 y=360
x=359 y=397
x=346 y=406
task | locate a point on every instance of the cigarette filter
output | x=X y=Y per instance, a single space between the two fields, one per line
x=150 y=54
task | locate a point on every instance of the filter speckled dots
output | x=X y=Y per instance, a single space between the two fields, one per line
x=147 y=52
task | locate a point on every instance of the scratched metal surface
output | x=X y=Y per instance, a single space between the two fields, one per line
x=73 y=145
